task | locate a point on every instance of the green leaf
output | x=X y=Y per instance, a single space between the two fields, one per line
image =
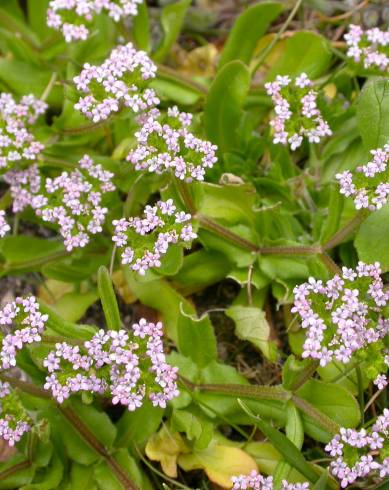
x=288 y=450
x=82 y=477
x=13 y=7
x=248 y=28
x=175 y=91
x=294 y=431
x=333 y=400
x=77 y=446
x=373 y=113
x=197 y=429
x=13 y=21
x=135 y=428
x=98 y=422
x=75 y=268
x=201 y=269
x=321 y=483
x=304 y=52
x=72 y=306
x=141 y=28
x=295 y=372
x=37 y=13
x=106 y=479
x=251 y=325
x=334 y=212
x=49 y=478
x=108 y=300
x=371 y=239
x=172 y=261
x=23 y=78
x=65 y=328
x=172 y=18
x=196 y=338
x=28 y=253
x=16 y=472
x=223 y=107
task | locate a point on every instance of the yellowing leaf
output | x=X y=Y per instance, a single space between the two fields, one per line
x=220 y=463
x=122 y=287
x=200 y=61
x=52 y=290
x=165 y=447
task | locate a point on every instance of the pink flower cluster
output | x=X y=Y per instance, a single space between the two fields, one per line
x=4 y=226
x=357 y=452
x=343 y=315
x=146 y=239
x=72 y=17
x=17 y=143
x=369 y=48
x=127 y=365
x=121 y=80
x=12 y=426
x=25 y=314
x=296 y=112
x=73 y=201
x=166 y=144
x=255 y=481
x=369 y=185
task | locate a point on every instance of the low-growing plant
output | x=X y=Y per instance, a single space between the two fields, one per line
x=193 y=245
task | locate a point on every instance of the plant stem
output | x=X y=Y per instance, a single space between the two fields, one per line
x=95 y=444
x=54 y=339
x=26 y=387
x=220 y=230
x=83 y=129
x=49 y=87
x=361 y=397
x=184 y=192
x=346 y=231
x=297 y=250
x=249 y=391
x=322 y=419
x=305 y=375
x=329 y=263
x=34 y=262
x=277 y=37
x=23 y=465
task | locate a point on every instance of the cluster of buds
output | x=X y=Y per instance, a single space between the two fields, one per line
x=369 y=184
x=151 y=236
x=296 y=112
x=121 y=81
x=344 y=316
x=359 y=453
x=73 y=201
x=17 y=143
x=126 y=365
x=166 y=144
x=23 y=313
x=4 y=226
x=73 y=17
x=368 y=48
x=255 y=481
x=14 y=421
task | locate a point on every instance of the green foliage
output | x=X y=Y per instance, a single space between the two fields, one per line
x=223 y=108
x=372 y=113
x=267 y=218
x=248 y=28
